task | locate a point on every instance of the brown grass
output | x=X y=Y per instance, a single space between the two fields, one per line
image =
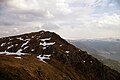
x=30 y=68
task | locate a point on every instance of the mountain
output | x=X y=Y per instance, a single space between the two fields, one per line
x=108 y=48
x=45 y=55
x=97 y=47
x=29 y=68
x=109 y=62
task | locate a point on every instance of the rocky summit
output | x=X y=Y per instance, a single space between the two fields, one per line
x=45 y=55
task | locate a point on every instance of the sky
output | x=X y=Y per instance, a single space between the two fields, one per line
x=71 y=19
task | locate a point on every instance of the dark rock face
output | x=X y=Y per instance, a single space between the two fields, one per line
x=64 y=56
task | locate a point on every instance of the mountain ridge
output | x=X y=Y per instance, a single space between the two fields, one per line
x=52 y=49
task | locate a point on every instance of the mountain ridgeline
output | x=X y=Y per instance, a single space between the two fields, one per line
x=57 y=59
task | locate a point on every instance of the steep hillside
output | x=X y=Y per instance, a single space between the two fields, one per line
x=109 y=62
x=30 y=68
x=67 y=60
x=107 y=51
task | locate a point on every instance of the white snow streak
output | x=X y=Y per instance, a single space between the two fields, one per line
x=67 y=51
x=47 y=44
x=18 y=57
x=20 y=38
x=10 y=47
x=46 y=39
x=25 y=43
x=3 y=44
x=42 y=58
x=12 y=53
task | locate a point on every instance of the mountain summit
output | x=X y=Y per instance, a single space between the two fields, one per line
x=45 y=55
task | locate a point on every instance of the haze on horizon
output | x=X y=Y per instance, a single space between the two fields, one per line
x=73 y=19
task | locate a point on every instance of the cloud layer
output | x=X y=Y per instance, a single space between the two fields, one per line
x=82 y=18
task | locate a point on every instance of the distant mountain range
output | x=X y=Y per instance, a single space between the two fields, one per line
x=108 y=48
x=105 y=50
x=45 y=55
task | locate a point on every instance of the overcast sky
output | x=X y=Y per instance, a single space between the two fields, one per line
x=73 y=19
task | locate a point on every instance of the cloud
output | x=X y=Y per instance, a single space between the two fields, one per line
x=79 y=16
x=49 y=26
x=22 y=11
x=35 y=5
x=111 y=19
x=3 y=1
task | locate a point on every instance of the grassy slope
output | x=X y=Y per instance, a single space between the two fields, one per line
x=30 y=68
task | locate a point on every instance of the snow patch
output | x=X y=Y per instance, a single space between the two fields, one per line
x=67 y=51
x=27 y=40
x=26 y=47
x=46 y=39
x=19 y=51
x=41 y=32
x=18 y=57
x=10 y=39
x=18 y=54
x=44 y=57
x=2 y=53
x=67 y=54
x=32 y=50
x=44 y=48
x=16 y=44
x=3 y=44
x=20 y=38
x=47 y=44
x=88 y=53
x=90 y=61
x=12 y=53
x=10 y=47
x=84 y=61
x=60 y=45
x=32 y=36
x=9 y=42
x=25 y=43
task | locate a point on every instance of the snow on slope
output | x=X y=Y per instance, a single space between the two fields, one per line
x=44 y=57
x=45 y=44
x=19 y=53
